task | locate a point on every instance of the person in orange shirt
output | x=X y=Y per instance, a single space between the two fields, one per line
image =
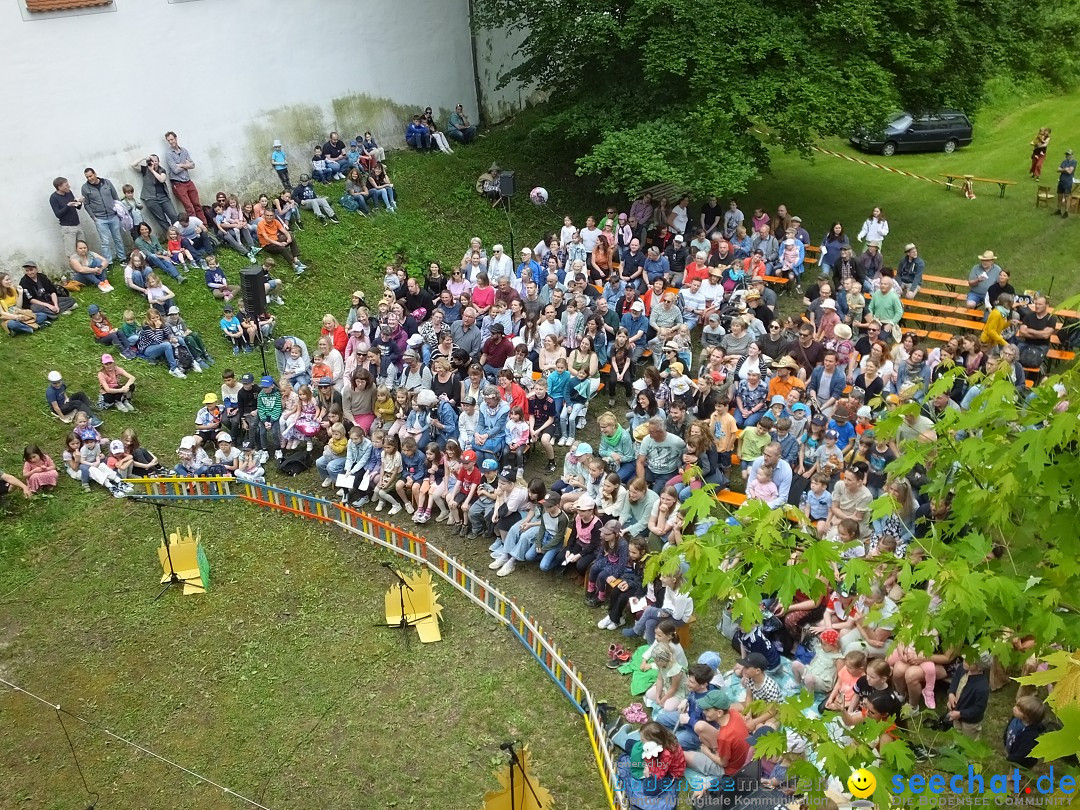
x=784 y=379
x=275 y=238
x=698 y=268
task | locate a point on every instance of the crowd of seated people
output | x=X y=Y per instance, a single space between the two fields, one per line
x=431 y=399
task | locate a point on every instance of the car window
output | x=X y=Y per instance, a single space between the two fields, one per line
x=899 y=122
x=923 y=126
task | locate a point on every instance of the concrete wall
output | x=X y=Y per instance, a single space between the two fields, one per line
x=495 y=51
x=229 y=76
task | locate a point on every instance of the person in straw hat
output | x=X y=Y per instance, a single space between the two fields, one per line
x=785 y=377
x=980 y=278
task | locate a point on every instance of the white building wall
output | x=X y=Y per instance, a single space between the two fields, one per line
x=229 y=76
x=496 y=50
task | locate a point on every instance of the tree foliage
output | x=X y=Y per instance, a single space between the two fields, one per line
x=999 y=567
x=672 y=90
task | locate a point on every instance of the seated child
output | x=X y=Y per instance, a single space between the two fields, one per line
x=817 y=501
x=297 y=371
x=233 y=330
x=762 y=488
x=248 y=468
x=820 y=674
x=752 y=443
x=843 y=692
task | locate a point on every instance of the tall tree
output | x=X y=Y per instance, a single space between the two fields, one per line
x=648 y=90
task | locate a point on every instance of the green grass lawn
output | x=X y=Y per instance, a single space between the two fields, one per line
x=1039 y=249
x=229 y=684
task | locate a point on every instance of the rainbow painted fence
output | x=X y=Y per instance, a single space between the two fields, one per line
x=499 y=606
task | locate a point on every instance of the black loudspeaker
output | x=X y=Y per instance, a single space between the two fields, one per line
x=253 y=291
x=506 y=184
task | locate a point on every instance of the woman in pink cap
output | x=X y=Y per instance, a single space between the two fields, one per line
x=116 y=386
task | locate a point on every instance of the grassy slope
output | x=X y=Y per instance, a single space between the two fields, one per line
x=99 y=639
x=949 y=230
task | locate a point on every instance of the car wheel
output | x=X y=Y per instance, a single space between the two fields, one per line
x=889 y=149
x=950 y=146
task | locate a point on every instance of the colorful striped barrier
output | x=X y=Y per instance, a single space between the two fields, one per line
x=863 y=162
x=502 y=608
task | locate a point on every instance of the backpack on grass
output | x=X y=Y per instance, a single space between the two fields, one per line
x=295 y=462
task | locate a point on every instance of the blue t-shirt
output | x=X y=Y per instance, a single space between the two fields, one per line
x=845 y=431
x=819 y=504
x=230 y=324
x=278 y=158
x=56 y=393
x=1064 y=177
x=214 y=276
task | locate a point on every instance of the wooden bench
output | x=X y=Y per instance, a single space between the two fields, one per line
x=960 y=180
x=947 y=281
x=952 y=295
x=730 y=497
x=944 y=308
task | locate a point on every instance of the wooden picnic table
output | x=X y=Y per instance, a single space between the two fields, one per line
x=951 y=181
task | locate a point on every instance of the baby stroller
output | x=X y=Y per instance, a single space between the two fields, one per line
x=733 y=306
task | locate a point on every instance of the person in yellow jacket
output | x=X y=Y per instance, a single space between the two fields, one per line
x=998 y=321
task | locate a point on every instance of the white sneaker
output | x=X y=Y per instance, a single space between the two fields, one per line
x=520 y=473
x=410 y=508
x=196 y=367
x=309 y=446
x=326 y=482
x=361 y=501
x=395 y=509
x=604 y=624
x=178 y=373
x=279 y=300
x=262 y=456
x=379 y=506
x=499 y=562
x=507 y=569
x=278 y=454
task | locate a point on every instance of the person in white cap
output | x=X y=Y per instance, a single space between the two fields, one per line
x=280 y=161
x=499 y=265
x=226 y=455
x=637 y=326
x=63 y=404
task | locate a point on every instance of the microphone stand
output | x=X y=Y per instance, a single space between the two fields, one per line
x=508 y=747
x=404 y=623
x=174 y=578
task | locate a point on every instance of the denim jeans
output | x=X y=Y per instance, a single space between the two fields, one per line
x=161 y=264
x=361 y=201
x=330 y=466
x=138 y=278
x=380 y=194
x=89 y=280
x=158 y=350
x=112 y=239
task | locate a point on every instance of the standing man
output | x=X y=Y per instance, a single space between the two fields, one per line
x=66 y=209
x=41 y=294
x=460 y=129
x=100 y=198
x=178 y=162
x=1066 y=178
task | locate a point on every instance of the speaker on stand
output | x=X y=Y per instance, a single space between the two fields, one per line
x=507 y=188
x=253 y=294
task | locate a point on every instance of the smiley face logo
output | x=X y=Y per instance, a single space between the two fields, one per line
x=862 y=783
